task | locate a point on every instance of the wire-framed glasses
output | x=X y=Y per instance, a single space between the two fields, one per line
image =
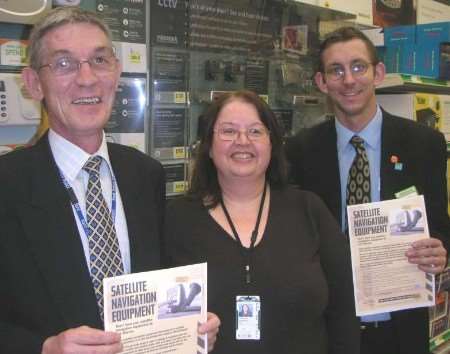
x=67 y=65
x=337 y=71
x=231 y=132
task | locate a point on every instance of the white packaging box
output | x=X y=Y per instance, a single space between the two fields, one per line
x=430 y=11
x=430 y=109
x=361 y=8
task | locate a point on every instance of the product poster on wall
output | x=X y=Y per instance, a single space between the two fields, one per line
x=169 y=71
x=175 y=177
x=257 y=75
x=128 y=111
x=284 y=118
x=168 y=133
x=166 y=23
x=125 y=18
x=234 y=25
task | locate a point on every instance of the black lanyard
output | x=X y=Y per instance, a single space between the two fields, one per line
x=249 y=250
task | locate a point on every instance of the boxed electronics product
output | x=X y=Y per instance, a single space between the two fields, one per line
x=16 y=106
x=418 y=50
x=431 y=11
x=424 y=108
x=433 y=33
x=399 y=35
x=361 y=9
x=444 y=61
x=388 y=13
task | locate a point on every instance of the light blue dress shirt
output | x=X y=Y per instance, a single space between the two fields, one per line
x=371 y=134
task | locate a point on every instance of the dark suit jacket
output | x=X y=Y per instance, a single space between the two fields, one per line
x=45 y=282
x=314 y=166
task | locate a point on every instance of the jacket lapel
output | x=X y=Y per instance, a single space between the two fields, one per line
x=393 y=146
x=54 y=239
x=131 y=190
x=329 y=168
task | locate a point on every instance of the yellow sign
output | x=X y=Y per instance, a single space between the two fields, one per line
x=179 y=187
x=428 y=110
x=179 y=152
x=179 y=97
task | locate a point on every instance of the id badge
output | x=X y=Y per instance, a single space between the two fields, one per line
x=248 y=317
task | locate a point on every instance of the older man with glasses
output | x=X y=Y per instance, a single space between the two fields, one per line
x=387 y=154
x=74 y=209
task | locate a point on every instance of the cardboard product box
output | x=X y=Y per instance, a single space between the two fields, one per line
x=444 y=61
x=392 y=59
x=433 y=33
x=400 y=59
x=407 y=59
x=16 y=105
x=362 y=9
x=427 y=60
x=399 y=35
x=431 y=11
x=376 y=35
x=424 y=108
x=393 y=13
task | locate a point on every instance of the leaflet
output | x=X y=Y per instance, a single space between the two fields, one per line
x=380 y=233
x=158 y=311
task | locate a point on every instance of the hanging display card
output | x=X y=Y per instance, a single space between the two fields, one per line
x=168 y=134
x=128 y=112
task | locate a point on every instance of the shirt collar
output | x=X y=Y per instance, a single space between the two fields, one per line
x=371 y=132
x=70 y=158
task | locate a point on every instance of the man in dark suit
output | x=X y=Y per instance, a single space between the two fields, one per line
x=400 y=153
x=48 y=300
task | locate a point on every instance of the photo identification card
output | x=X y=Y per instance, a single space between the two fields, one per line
x=248 y=317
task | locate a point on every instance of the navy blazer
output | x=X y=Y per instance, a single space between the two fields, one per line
x=46 y=286
x=313 y=159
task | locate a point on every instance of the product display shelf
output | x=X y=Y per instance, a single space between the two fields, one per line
x=400 y=83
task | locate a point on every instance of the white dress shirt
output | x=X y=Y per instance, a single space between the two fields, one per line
x=70 y=159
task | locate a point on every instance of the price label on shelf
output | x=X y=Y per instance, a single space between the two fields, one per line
x=179 y=97
x=179 y=152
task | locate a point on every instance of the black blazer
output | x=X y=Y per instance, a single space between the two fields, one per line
x=45 y=282
x=313 y=159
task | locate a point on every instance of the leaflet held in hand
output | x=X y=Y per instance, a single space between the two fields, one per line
x=380 y=233
x=158 y=311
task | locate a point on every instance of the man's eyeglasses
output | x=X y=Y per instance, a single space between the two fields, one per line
x=66 y=65
x=228 y=132
x=337 y=72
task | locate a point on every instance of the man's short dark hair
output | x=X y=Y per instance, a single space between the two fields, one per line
x=345 y=34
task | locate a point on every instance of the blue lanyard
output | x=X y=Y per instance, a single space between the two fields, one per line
x=74 y=200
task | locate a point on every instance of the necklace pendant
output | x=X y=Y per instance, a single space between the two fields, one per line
x=247 y=274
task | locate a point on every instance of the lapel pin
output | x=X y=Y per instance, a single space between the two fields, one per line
x=398 y=166
x=394 y=158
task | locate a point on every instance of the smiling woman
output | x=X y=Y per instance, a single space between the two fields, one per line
x=276 y=249
x=244 y=114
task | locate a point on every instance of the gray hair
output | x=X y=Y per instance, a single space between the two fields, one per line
x=58 y=17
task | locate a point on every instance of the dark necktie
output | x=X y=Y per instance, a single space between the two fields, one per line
x=104 y=252
x=358 y=183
